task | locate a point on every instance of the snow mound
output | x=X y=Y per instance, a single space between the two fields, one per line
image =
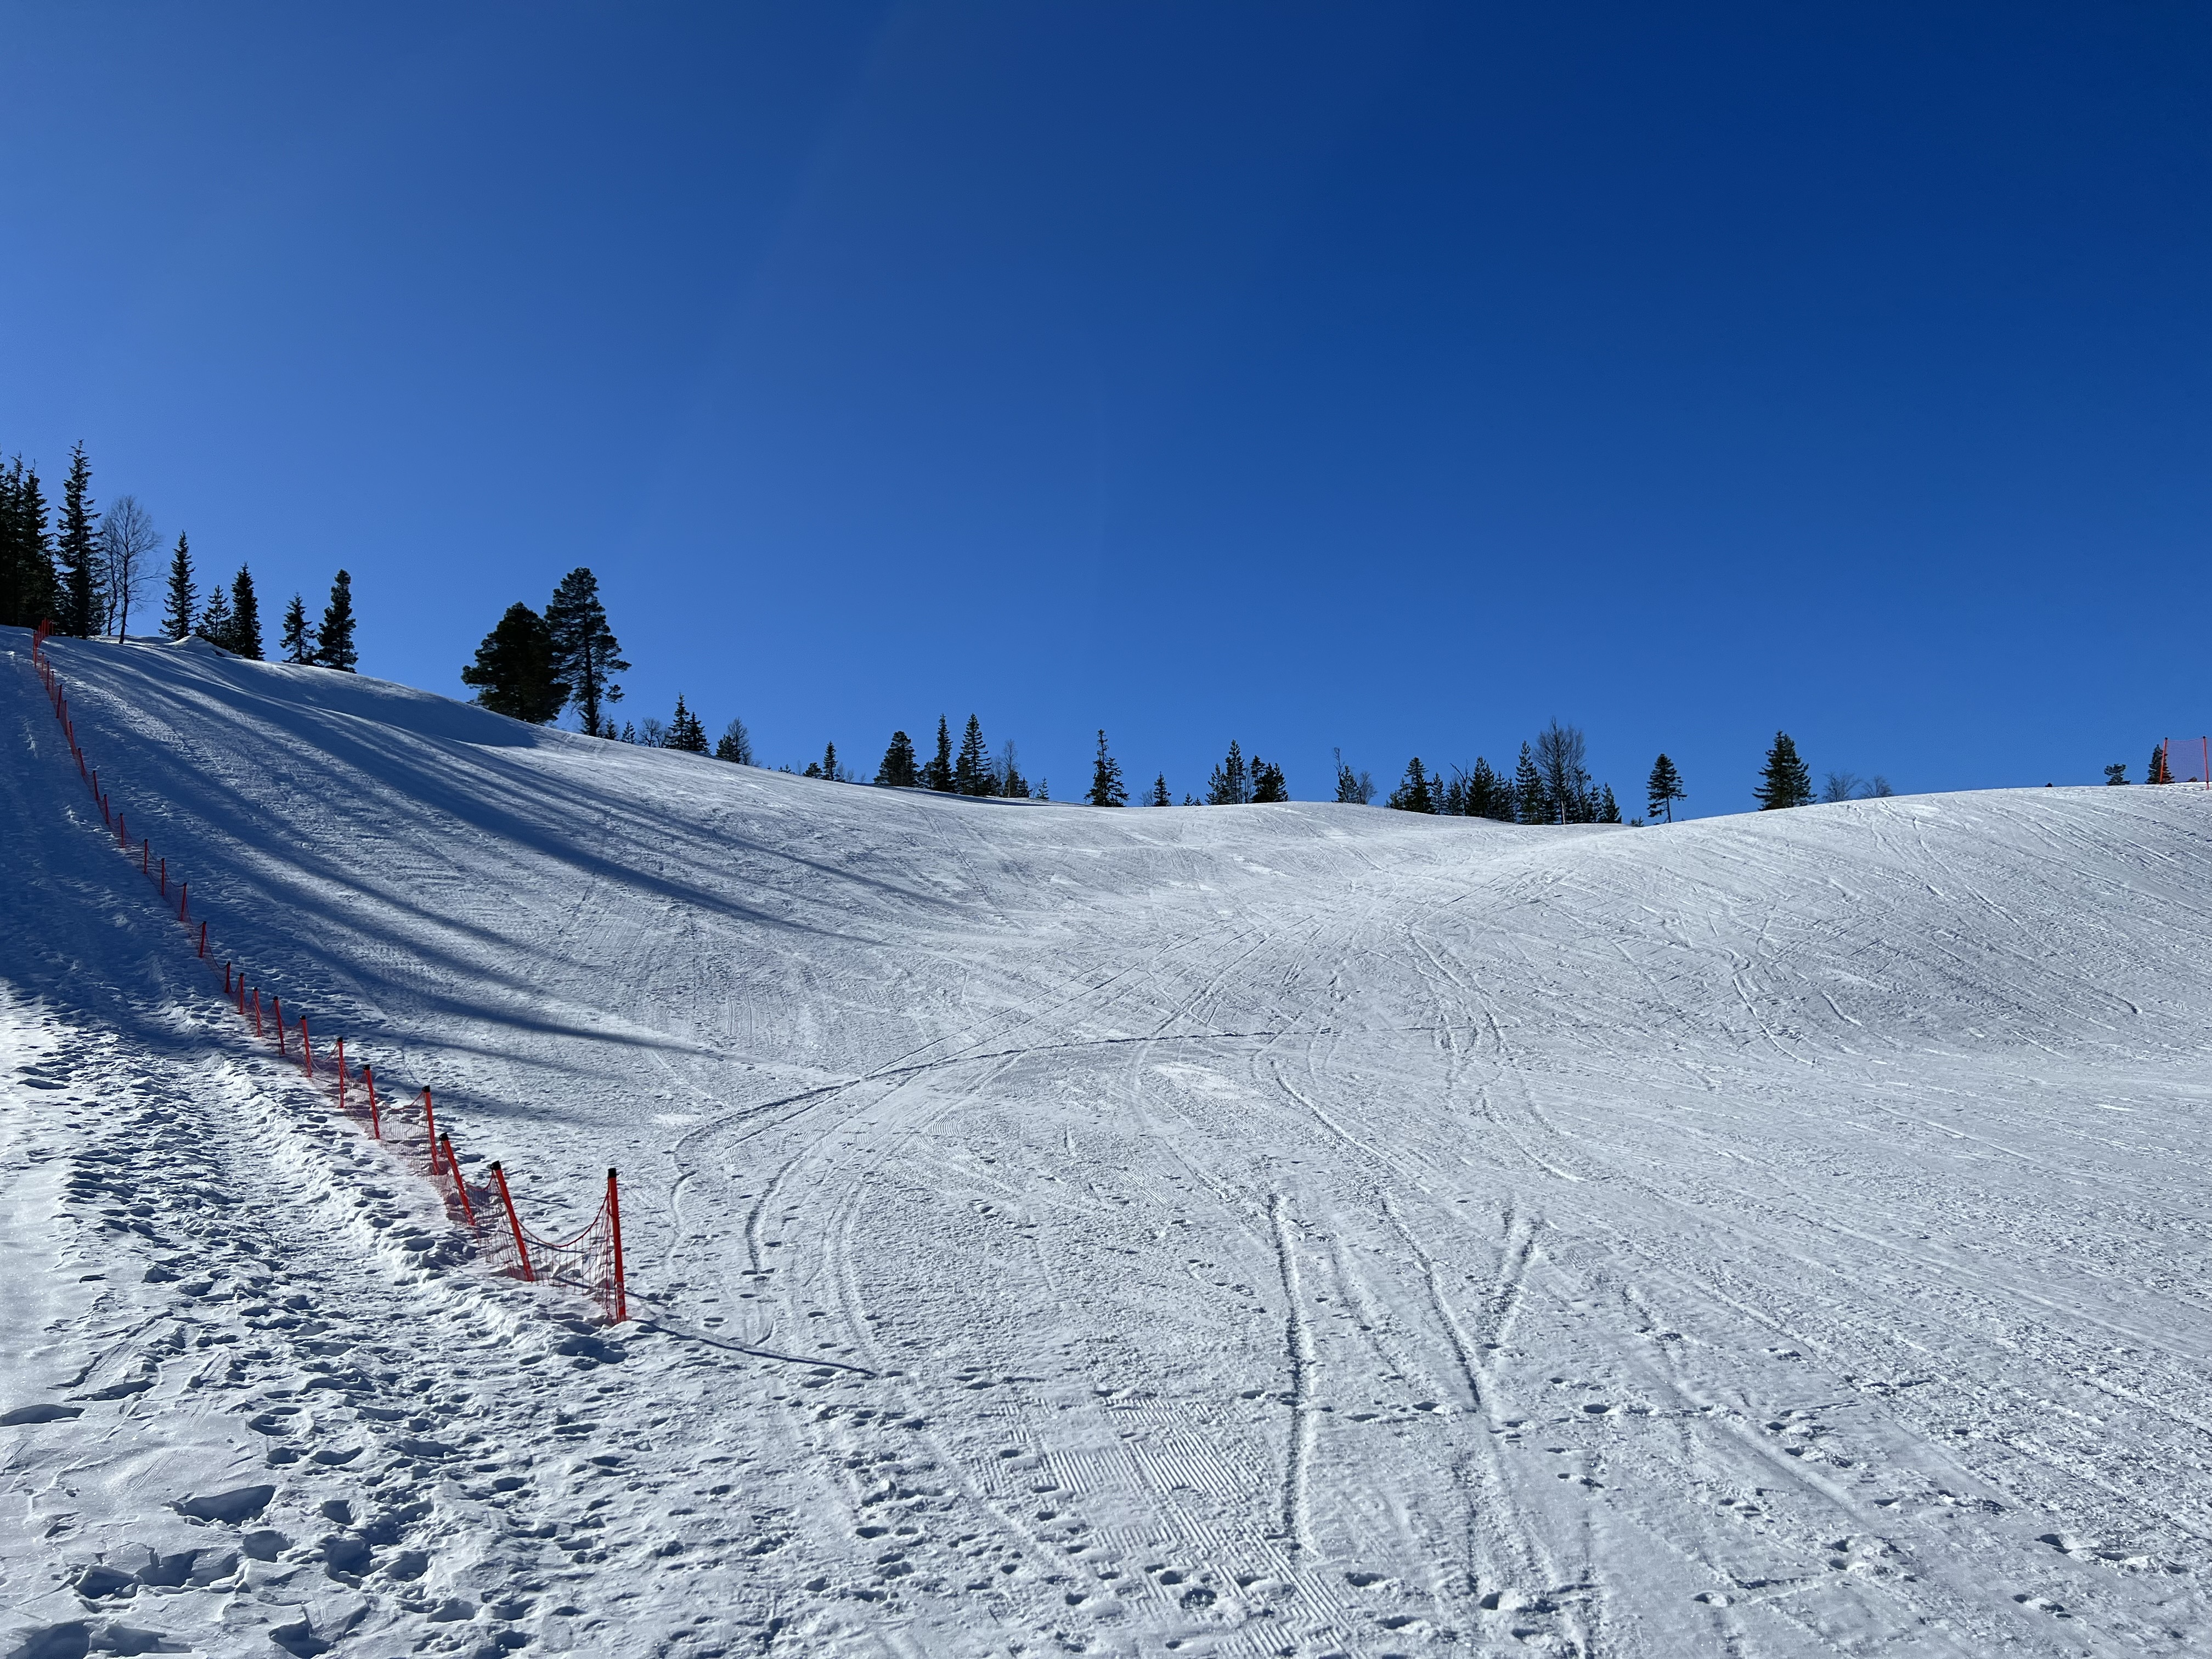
x=1265 y=1229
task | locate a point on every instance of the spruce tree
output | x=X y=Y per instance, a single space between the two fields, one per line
x=1267 y=782
x=79 y=551
x=1352 y=788
x=685 y=733
x=1488 y=795
x=1160 y=797
x=513 y=670
x=1608 y=808
x=938 y=775
x=585 y=653
x=1530 y=805
x=971 y=772
x=2159 y=772
x=2117 y=772
x=244 y=617
x=735 y=745
x=1229 y=786
x=297 y=642
x=215 y=620
x=28 y=588
x=1785 y=780
x=334 y=639
x=1413 y=793
x=177 y=620
x=1663 y=790
x=830 y=763
x=1106 y=788
x=898 y=770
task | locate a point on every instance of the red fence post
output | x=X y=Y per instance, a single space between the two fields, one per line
x=307 y=1049
x=460 y=1189
x=614 y=1225
x=203 y=944
x=277 y=1018
x=145 y=858
x=165 y=871
x=430 y=1123
x=184 y=900
x=122 y=833
x=514 y=1221
x=226 y=979
x=375 y=1124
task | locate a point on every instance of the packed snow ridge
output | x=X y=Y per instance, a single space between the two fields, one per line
x=1291 y=1230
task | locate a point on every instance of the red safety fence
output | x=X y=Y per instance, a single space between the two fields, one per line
x=2183 y=760
x=591 y=1258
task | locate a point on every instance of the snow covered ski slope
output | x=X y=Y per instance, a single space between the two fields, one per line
x=1293 y=1230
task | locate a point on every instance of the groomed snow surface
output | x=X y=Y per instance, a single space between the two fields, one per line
x=1294 y=1229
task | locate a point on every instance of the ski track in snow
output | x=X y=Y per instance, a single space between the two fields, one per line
x=1280 y=1231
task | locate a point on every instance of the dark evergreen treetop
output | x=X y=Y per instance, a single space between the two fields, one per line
x=685 y=731
x=1413 y=793
x=735 y=745
x=245 y=616
x=585 y=653
x=297 y=640
x=1106 y=788
x=898 y=770
x=29 y=590
x=1160 y=796
x=1530 y=805
x=2160 y=772
x=830 y=763
x=513 y=670
x=1269 y=783
x=938 y=775
x=1786 y=780
x=334 y=639
x=1663 y=790
x=972 y=773
x=1352 y=788
x=1488 y=795
x=79 y=551
x=215 y=624
x=1229 y=785
x=1608 y=808
x=183 y=595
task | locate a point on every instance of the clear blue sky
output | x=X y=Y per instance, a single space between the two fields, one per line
x=1387 y=378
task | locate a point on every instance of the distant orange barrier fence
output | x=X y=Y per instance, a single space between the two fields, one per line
x=2183 y=760
x=591 y=1257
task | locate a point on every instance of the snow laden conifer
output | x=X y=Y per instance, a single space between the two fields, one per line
x=1415 y=793
x=78 y=550
x=1785 y=780
x=1106 y=788
x=244 y=617
x=972 y=771
x=296 y=640
x=513 y=670
x=1229 y=785
x=684 y=732
x=898 y=770
x=938 y=775
x=735 y=745
x=1662 y=789
x=334 y=647
x=183 y=594
x=586 y=656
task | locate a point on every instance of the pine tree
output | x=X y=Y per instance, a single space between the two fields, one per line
x=1488 y=796
x=28 y=588
x=1352 y=788
x=829 y=763
x=898 y=770
x=215 y=620
x=2117 y=772
x=1267 y=782
x=1413 y=793
x=1229 y=786
x=2159 y=772
x=813 y=769
x=585 y=653
x=177 y=620
x=1786 y=780
x=971 y=772
x=735 y=745
x=513 y=670
x=938 y=775
x=1160 y=797
x=244 y=617
x=79 y=551
x=334 y=639
x=1663 y=790
x=684 y=732
x=1529 y=805
x=1608 y=808
x=297 y=642
x=1106 y=788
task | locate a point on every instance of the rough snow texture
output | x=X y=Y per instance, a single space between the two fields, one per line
x=1263 y=1230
